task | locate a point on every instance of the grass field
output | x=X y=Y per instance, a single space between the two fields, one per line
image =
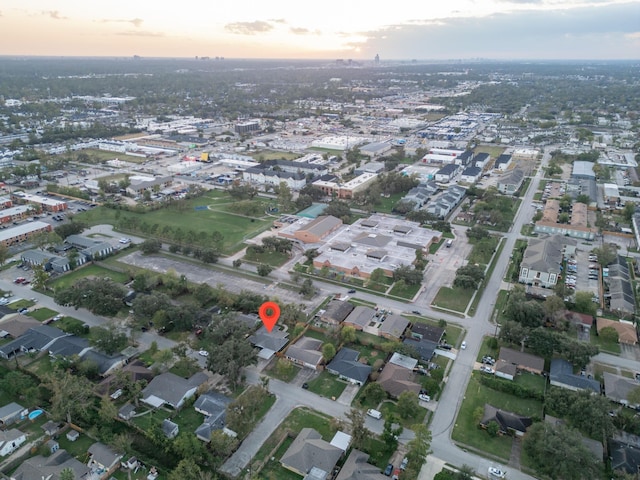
x=71 y=278
x=274 y=155
x=603 y=345
x=42 y=314
x=216 y=217
x=404 y=291
x=455 y=299
x=493 y=151
x=95 y=156
x=327 y=385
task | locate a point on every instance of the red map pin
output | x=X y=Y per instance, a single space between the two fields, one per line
x=269 y=313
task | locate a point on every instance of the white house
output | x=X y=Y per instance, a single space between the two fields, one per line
x=10 y=440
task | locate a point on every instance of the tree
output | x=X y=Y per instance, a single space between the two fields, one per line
x=558 y=452
x=628 y=211
x=40 y=277
x=263 y=269
x=374 y=393
x=633 y=397
x=584 y=303
x=407 y=274
x=150 y=246
x=307 y=288
x=284 y=367
x=236 y=263
x=339 y=209
x=378 y=275
x=233 y=352
x=67 y=474
x=108 y=340
x=108 y=410
x=465 y=472
x=4 y=254
x=606 y=254
x=609 y=334
x=418 y=449
x=391 y=431
x=348 y=334
x=328 y=352
x=552 y=305
x=101 y=296
x=359 y=432
x=70 y=395
x=407 y=404
x=187 y=469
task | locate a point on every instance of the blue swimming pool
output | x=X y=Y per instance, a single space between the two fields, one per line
x=35 y=414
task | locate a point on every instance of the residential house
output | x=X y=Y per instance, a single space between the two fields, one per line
x=446 y=173
x=511 y=183
x=561 y=375
x=39 y=467
x=467 y=158
x=403 y=361
x=509 y=423
x=17 y=325
x=582 y=321
x=423 y=347
x=624 y=457
x=36 y=339
x=50 y=428
x=481 y=159
x=395 y=379
x=620 y=295
x=308 y=451
x=10 y=441
x=542 y=259
x=213 y=406
x=305 y=352
x=335 y=312
x=523 y=361
x=360 y=317
x=345 y=364
x=393 y=327
x=172 y=390
x=503 y=162
x=421 y=194
x=471 y=174
x=423 y=331
x=136 y=370
x=356 y=467
x=127 y=411
x=11 y=413
x=169 y=429
x=103 y=460
x=579 y=225
x=505 y=370
x=106 y=364
x=66 y=347
x=627 y=333
x=617 y=388
x=447 y=201
x=269 y=343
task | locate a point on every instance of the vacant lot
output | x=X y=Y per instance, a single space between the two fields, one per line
x=456 y=299
x=93 y=270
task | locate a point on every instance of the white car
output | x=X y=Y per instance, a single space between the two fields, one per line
x=495 y=472
x=203 y=353
x=424 y=397
x=124 y=240
x=487 y=369
x=463 y=346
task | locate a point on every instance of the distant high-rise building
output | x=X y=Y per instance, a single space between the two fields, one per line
x=377 y=59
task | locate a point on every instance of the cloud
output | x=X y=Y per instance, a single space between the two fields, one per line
x=249 y=28
x=140 y=33
x=303 y=31
x=54 y=14
x=582 y=32
x=136 y=22
x=278 y=20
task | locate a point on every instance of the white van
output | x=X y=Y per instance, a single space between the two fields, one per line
x=374 y=413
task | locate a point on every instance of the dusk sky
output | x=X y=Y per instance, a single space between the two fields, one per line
x=329 y=29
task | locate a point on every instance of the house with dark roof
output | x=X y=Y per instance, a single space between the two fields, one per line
x=424 y=348
x=624 y=457
x=542 y=259
x=561 y=375
x=48 y=261
x=395 y=379
x=308 y=451
x=502 y=162
x=509 y=423
x=65 y=347
x=345 y=364
x=360 y=317
x=39 y=467
x=172 y=390
x=335 y=312
x=617 y=388
x=136 y=370
x=36 y=339
x=481 y=159
x=505 y=370
x=106 y=364
x=471 y=174
x=356 y=467
x=423 y=331
x=305 y=352
x=269 y=343
x=127 y=411
x=213 y=406
x=523 y=361
x=446 y=173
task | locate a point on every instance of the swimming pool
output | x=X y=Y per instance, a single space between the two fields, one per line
x=35 y=414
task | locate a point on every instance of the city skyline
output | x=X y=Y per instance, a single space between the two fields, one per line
x=494 y=29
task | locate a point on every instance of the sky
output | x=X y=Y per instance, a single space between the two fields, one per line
x=328 y=29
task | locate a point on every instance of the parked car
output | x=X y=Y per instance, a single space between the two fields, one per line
x=203 y=353
x=396 y=474
x=496 y=472
x=463 y=346
x=353 y=290
x=403 y=464
x=305 y=385
x=388 y=470
x=487 y=369
x=424 y=397
x=488 y=360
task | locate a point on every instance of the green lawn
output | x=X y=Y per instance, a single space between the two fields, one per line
x=456 y=299
x=405 y=291
x=486 y=350
x=324 y=338
x=217 y=217
x=275 y=259
x=388 y=407
x=466 y=429
x=69 y=279
x=368 y=354
x=603 y=345
x=327 y=385
x=101 y=156
x=386 y=204
x=286 y=375
x=274 y=470
x=531 y=381
x=42 y=314
x=71 y=325
x=379 y=452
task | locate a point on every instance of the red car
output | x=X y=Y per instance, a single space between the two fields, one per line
x=396 y=474
x=19 y=280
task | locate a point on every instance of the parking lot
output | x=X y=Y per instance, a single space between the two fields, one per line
x=583 y=273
